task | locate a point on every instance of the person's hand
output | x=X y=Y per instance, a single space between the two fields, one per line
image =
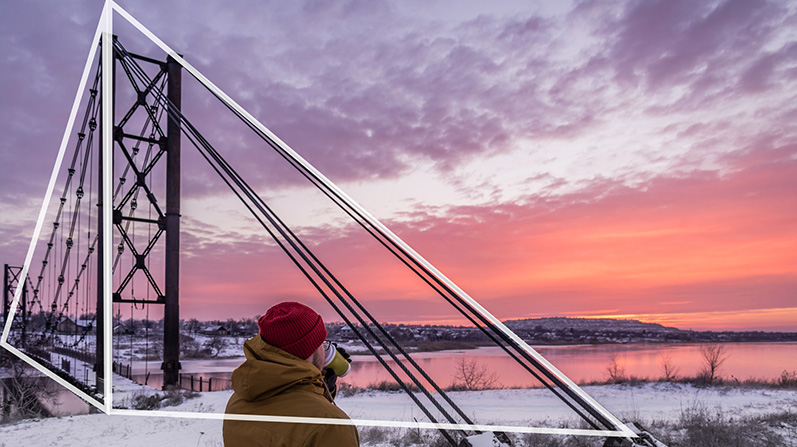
x=344 y=353
x=331 y=380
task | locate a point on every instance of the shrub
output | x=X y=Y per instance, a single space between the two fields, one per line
x=389 y=386
x=140 y=400
x=373 y=435
x=346 y=389
x=615 y=370
x=713 y=358
x=788 y=379
x=471 y=376
x=668 y=367
x=704 y=427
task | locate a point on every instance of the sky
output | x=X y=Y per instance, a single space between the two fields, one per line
x=624 y=159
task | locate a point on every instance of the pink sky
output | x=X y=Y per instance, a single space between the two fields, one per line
x=632 y=159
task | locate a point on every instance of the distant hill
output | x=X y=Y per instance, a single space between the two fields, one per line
x=563 y=330
x=588 y=324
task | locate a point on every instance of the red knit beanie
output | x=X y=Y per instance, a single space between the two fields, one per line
x=293 y=327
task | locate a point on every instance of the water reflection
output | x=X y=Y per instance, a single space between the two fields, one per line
x=582 y=363
x=64 y=402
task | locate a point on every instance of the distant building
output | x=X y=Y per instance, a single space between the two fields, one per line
x=216 y=330
x=345 y=331
x=68 y=325
x=242 y=330
x=85 y=323
x=122 y=329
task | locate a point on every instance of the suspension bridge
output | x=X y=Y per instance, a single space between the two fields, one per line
x=54 y=314
x=57 y=322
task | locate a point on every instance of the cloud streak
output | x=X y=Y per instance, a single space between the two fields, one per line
x=699 y=243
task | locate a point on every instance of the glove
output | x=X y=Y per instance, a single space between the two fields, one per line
x=343 y=353
x=332 y=382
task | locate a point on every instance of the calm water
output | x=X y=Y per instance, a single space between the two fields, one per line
x=582 y=363
x=590 y=362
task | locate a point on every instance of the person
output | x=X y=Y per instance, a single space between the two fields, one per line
x=282 y=375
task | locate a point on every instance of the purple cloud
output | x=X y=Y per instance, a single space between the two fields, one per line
x=366 y=92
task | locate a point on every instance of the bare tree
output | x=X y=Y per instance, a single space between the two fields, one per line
x=473 y=376
x=249 y=325
x=668 y=367
x=193 y=326
x=234 y=328
x=615 y=370
x=215 y=344
x=714 y=356
x=189 y=347
x=23 y=395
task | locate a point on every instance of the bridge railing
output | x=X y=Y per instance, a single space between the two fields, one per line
x=123 y=370
x=83 y=356
x=201 y=384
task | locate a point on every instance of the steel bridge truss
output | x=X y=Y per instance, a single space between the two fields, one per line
x=162 y=145
x=11 y=281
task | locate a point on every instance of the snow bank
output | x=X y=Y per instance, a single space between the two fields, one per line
x=654 y=401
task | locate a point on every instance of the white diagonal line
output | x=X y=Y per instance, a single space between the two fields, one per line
x=53 y=177
x=364 y=422
x=53 y=376
x=107 y=203
x=106 y=25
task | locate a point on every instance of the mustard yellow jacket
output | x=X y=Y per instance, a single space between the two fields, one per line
x=274 y=382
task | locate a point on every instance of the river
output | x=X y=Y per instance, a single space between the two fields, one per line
x=582 y=363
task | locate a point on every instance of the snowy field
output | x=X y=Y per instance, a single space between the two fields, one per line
x=644 y=403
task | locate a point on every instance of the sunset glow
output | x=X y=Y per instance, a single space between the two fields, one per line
x=635 y=160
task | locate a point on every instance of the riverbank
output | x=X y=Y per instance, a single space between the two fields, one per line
x=668 y=408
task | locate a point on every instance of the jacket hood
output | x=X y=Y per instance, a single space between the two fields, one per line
x=269 y=371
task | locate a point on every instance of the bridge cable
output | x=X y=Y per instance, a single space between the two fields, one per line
x=246 y=190
x=398 y=251
x=441 y=288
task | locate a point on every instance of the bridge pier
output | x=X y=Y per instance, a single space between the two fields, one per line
x=171 y=312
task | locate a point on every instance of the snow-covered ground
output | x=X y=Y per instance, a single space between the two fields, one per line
x=537 y=407
x=137 y=347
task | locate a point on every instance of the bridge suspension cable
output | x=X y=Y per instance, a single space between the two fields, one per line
x=329 y=286
x=316 y=272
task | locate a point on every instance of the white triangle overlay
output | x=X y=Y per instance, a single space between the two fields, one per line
x=40 y=221
x=104 y=31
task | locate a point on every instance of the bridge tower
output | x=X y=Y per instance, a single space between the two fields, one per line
x=166 y=220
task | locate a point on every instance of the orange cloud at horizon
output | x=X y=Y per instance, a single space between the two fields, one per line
x=654 y=238
x=716 y=320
